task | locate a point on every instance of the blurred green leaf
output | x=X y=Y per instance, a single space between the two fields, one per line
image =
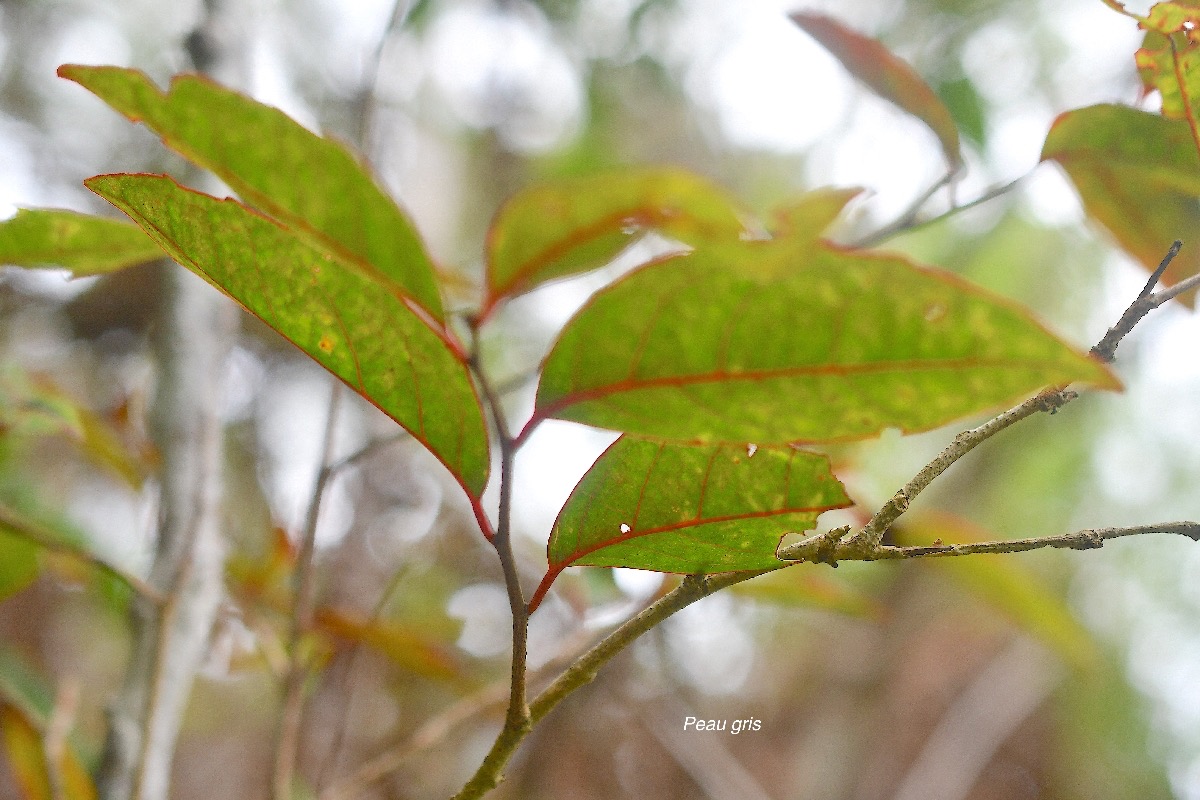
x=27 y=754
x=84 y=244
x=19 y=565
x=343 y=313
x=23 y=746
x=810 y=214
x=887 y=75
x=563 y=228
x=1003 y=582
x=808 y=588
x=687 y=508
x=1138 y=175
x=406 y=646
x=32 y=406
x=967 y=107
x=782 y=341
x=313 y=184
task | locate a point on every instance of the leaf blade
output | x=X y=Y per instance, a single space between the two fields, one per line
x=560 y=229
x=887 y=75
x=312 y=183
x=336 y=311
x=681 y=507
x=81 y=243
x=1138 y=176
x=774 y=342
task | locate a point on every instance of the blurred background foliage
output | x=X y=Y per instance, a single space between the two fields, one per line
x=1042 y=675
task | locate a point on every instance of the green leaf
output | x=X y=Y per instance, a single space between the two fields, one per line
x=30 y=697
x=807 y=588
x=313 y=184
x=25 y=747
x=84 y=244
x=810 y=214
x=686 y=508
x=564 y=228
x=887 y=75
x=406 y=646
x=32 y=406
x=1003 y=582
x=19 y=565
x=1138 y=175
x=346 y=315
x=782 y=341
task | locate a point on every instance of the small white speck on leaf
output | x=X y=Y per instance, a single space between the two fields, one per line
x=625 y=527
x=751 y=449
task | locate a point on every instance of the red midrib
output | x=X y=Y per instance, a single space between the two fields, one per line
x=720 y=376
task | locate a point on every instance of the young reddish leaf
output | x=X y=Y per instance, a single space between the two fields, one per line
x=84 y=244
x=887 y=75
x=344 y=314
x=1003 y=582
x=1169 y=60
x=559 y=229
x=810 y=214
x=685 y=508
x=782 y=341
x=1138 y=175
x=312 y=184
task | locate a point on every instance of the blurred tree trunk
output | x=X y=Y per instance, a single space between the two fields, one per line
x=191 y=339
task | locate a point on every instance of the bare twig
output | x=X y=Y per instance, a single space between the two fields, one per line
x=1089 y=539
x=368 y=101
x=908 y=222
x=287 y=744
x=54 y=737
x=1050 y=400
x=367 y=451
x=517 y=719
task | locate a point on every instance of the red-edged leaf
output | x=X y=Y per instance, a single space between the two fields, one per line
x=686 y=508
x=314 y=185
x=86 y=245
x=1004 y=582
x=1138 y=175
x=783 y=341
x=1169 y=60
x=559 y=229
x=348 y=316
x=887 y=75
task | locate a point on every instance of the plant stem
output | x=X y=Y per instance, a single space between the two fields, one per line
x=517 y=718
x=171 y=624
x=287 y=743
x=908 y=222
